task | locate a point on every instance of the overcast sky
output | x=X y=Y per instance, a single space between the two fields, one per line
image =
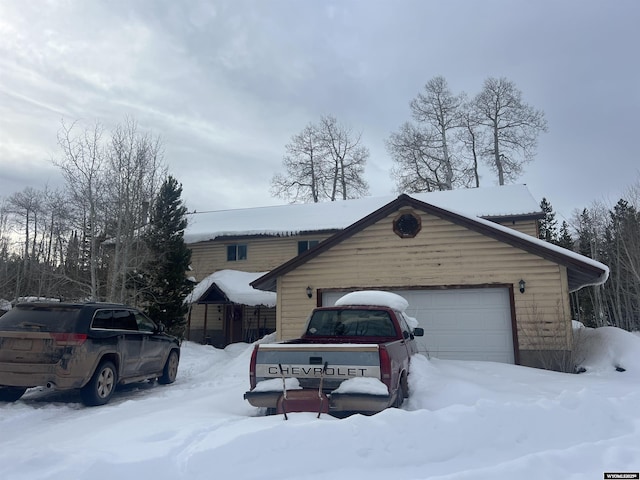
x=226 y=84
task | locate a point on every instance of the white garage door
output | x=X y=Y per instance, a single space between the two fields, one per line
x=461 y=324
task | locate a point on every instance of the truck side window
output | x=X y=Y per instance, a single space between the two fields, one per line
x=407 y=331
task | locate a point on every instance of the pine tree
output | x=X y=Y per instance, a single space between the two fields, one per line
x=165 y=285
x=548 y=226
x=564 y=238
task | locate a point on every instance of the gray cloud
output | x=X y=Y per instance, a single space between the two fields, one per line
x=226 y=84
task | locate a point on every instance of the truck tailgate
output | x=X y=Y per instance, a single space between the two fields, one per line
x=307 y=361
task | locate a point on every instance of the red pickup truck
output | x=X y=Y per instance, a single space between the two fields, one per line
x=352 y=357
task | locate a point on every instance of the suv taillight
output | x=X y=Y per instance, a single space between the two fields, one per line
x=69 y=339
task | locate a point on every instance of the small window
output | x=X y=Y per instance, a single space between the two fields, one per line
x=304 y=245
x=407 y=225
x=236 y=252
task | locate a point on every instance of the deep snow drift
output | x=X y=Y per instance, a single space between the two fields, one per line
x=464 y=420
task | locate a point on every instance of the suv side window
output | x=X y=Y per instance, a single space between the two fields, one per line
x=144 y=323
x=103 y=319
x=124 y=320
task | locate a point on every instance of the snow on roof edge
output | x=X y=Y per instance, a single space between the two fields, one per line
x=293 y=219
x=236 y=285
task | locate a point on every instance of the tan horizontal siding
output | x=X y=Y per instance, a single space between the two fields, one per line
x=442 y=254
x=530 y=227
x=214 y=318
x=263 y=254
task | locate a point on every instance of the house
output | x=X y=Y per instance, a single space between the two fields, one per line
x=260 y=239
x=481 y=290
x=468 y=261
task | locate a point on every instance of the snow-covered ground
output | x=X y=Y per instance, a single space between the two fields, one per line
x=464 y=420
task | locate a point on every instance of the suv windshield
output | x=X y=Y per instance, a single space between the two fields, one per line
x=37 y=318
x=351 y=323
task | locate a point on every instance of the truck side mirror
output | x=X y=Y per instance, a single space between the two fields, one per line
x=418 y=331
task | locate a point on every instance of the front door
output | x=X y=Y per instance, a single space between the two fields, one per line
x=233 y=324
x=130 y=342
x=154 y=345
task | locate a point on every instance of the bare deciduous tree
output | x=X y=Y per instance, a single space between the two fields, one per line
x=413 y=169
x=136 y=171
x=302 y=164
x=430 y=148
x=25 y=207
x=472 y=138
x=345 y=162
x=325 y=161
x=82 y=166
x=514 y=127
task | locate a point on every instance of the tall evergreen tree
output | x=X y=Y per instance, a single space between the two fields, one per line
x=165 y=284
x=589 y=299
x=564 y=238
x=548 y=226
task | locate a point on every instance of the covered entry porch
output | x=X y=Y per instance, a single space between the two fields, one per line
x=225 y=309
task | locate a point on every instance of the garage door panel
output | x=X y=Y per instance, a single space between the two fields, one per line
x=463 y=324
x=464 y=341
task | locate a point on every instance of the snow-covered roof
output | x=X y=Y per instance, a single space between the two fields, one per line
x=486 y=202
x=582 y=271
x=235 y=285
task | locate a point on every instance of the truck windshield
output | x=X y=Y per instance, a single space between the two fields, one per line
x=351 y=323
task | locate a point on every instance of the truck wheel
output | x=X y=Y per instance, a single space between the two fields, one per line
x=170 y=369
x=101 y=386
x=11 y=394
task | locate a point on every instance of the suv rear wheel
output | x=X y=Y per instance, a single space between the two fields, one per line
x=11 y=394
x=101 y=386
x=170 y=369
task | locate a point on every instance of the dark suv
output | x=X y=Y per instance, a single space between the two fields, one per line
x=90 y=346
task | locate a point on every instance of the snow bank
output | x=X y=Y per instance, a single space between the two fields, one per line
x=462 y=421
x=606 y=349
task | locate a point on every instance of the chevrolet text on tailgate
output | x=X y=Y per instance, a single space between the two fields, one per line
x=353 y=357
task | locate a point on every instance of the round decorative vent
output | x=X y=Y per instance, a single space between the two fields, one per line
x=407 y=225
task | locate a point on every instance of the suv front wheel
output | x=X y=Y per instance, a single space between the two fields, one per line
x=101 y=386
x=170 y=369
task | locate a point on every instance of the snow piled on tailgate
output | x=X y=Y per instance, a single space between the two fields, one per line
x=363 y=385
x=275 y=385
